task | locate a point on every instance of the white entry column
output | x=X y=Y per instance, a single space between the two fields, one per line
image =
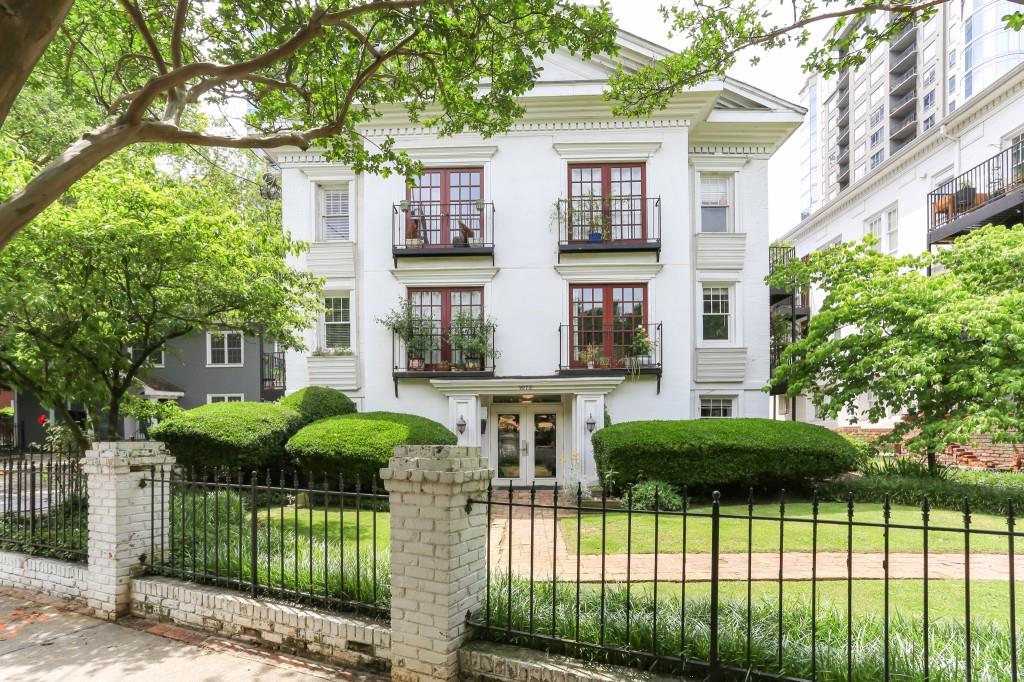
x=465 y=409
x=587 y=409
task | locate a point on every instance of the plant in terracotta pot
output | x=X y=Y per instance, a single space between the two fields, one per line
x=588 y=354
x=472 y=337
x=604 y=362
x=415 y=331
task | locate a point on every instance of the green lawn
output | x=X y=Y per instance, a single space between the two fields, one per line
x=304 y=520
x=733 y=532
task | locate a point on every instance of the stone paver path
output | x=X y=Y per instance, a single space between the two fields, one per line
x=549 y=553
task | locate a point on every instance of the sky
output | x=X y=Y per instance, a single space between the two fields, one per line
x=778 y=73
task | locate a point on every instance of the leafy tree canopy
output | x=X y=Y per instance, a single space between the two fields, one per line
x=308 y=70
x=144 y=250
x=946 y=350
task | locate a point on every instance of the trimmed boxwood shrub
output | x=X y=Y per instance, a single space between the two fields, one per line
x=318 y=402
x=234 y=435
x=719 y=453
x=360 y=444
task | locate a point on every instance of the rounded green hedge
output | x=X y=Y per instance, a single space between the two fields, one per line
x=233 y=435
x=719 y=453
x=318 y=402
x=360 y=444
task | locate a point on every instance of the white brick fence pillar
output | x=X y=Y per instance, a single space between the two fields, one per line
x=122 y=504
x=438 y=556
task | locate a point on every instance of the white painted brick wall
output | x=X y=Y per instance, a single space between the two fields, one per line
x=52 y=577
x=344 y=639
x=438 y=556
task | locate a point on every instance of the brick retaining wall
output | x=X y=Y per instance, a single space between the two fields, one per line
x=51 y=577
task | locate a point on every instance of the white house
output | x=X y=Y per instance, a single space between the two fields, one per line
x=502 y=227
x=965 y=172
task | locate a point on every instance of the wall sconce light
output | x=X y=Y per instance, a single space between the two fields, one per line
x=591 y=424
x=460 y=425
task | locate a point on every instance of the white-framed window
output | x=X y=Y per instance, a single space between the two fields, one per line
x=716 y=316
x=860 y=89
x=337 y=323
x=859 y=131
x=224 y=349
x=860 y=172
x=928 y=123
x=335 y=219
x=884 y=226
x=929 y=100
x=156 y=358
x=716 y=191
x=225 y=397
x=860 y=151
x=877 y=158
x=892 y=230
x=717 y=407
x=873 y=226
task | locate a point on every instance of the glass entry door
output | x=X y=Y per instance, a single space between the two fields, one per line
x=526 y=443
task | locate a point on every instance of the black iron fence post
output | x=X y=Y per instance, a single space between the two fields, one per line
x=253 y=530
x=31 y=501
x=714 y=666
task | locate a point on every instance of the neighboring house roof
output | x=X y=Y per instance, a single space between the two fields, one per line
x=156 y=387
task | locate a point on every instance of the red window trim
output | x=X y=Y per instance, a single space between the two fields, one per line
x=606 y=181
x=444 y=191
x=446 y=312
x=607 y=318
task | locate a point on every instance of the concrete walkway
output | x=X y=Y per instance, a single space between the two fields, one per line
x=43 y=640
x=548 y=553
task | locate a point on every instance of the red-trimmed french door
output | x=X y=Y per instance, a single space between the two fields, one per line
x=444 y=204
x=603 y=321
x=440 y=306
x=618 y=190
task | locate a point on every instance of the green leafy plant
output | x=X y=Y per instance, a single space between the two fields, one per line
x=359 y=445
x=710 y=453
x=415 y=331
x=645 y=492
x=318 y=402
x=471 y=335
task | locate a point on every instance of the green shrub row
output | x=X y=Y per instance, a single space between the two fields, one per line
x=984 y=496
x=360 y=445
x=719 y=453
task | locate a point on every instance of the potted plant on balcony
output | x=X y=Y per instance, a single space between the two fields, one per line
x=589 y=355
x=639 y=352
x=471 y=335
x=415 y=331
x=965 y=195
x=604 y=362
x=413 y=227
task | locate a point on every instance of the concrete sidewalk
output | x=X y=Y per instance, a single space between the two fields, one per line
x=42 y=639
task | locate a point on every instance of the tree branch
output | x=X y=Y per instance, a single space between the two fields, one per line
x=140 y=24
x=180 y=14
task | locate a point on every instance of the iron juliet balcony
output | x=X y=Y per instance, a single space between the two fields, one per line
x=438 y=359
x=442 y=228
x=272 y=375
x=991 y=192
x=613 y=223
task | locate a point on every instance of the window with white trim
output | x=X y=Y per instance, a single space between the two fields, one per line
x=224 y=349
x=335 y=224
x=156 y=358
x=337 y=323
x=892 y=230
x=225 y=397
x=716 y=315
x=884 y=226
x=716 y=202
x=873 y=226
x=716 y=407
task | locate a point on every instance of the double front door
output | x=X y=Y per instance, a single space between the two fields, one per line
x=526 y=442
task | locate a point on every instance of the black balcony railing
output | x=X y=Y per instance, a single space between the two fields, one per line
x=424 y=228
x=272 y=375
x=779 y=256
x=609 y=223
x=440 y=354
x=626 y=347
x=998 y=179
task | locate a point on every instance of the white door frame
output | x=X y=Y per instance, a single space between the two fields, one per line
x=527 y=450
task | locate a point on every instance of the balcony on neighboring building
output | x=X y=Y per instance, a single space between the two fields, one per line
x=903 y=82
x=901 y=129
x=611 y=223
x=442 y=228
x=991 y=192
x=901 y=61
x=903 y=38
x=272 y=375
x=790 y=308
x=901 y=106
x=593 y=349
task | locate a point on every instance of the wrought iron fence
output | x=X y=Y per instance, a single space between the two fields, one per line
x=321 y=543
x=618 y=220
x=44 y=505
x=585 y=346
x=754 y=590
x=418 y=227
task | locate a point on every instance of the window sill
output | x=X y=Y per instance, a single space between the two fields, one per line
x=225 y=366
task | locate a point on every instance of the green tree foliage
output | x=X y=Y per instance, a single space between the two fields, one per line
x=311 y=72
x=945 y=349
x=715 y=35
x=143 y=251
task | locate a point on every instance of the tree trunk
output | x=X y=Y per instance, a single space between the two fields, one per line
x=113 y=417
x=50 y=183
x=26 y=28
x=933 y=465
x=76 y=430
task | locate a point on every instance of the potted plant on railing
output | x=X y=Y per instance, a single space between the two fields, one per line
x=472 y=336
x=965 y=195
x=415 y=331
x=639 y=352
x=604 y=362
x=588 y=355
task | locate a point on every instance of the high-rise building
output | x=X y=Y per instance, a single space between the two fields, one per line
x=859 y=118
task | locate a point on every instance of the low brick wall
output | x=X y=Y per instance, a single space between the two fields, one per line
x=348 y=640
x=488 y=662
x=51 y=577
